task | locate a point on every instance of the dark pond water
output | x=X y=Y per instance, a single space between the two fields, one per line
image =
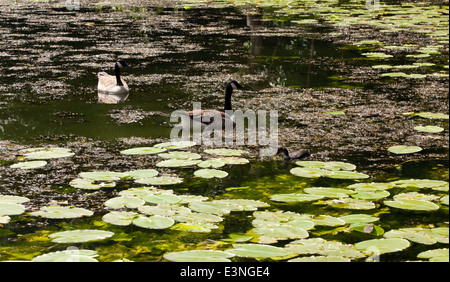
x=330 y=99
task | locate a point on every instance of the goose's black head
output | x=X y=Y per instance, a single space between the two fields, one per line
x=122 y=64
x=233 y=84
x=282 y=150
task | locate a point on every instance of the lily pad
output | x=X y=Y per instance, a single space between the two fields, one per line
x=320 y=259
x=420 y=183
x=57 y=212
x=329 y=192
x=327 y=165
x=68 y=256
x=153 y=222
x=13 y=199
x=175 y=145
x=257 y=251
x=89 y=184
x=437 y=255
x=162 y=180
x=196 y=227
x=168 y=210
x=347 y=175
x=310 y=172
x=217 y=208
x=233 y=160
x=418 y=235
x=124 y=202
x=400 y=149
x=11 y=209
x=320 y=246
x=359 y=218
x=178 y=163
x=214 y=163
x=199 y=256
x=225 y=152
x=417 y=205
x=47 y=153
x=382 y=246
x=180 y=155
x=161 y=198
x=29 y=165
x=430 y=115
x=350 y=203
x=295 y=197
x=371 y=186
x=370 y=195
x=143 y=151
x=210 y=173
x=429 y=129
x=103 y=175
x=121 y=218
x=80 y=236
x=142 y=173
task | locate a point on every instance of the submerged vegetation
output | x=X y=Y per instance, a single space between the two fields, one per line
x=364 y=88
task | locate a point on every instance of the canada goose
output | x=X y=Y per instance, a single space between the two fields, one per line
x=111 y=88
x=206 y=117
x=297 y=155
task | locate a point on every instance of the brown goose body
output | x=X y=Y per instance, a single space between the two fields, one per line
x=297 y=155
x=112 y=89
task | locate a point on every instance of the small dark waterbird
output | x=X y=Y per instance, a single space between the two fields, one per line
x=297 y=155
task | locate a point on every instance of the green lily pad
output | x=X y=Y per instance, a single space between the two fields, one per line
x=4 y=219
x=327 y=165
x=377 y=55
x=13 y=199
x=257 y=251
x=320 y=259
x=371 y=186
x=359 y=218
x=310 y=172
x=103 y=175
x=153 y=222
x=272 y=234
x=420 y=183
x=142 y=173
x=29 y=165
x=89 y=184
x=419 y=235
x=233 y=160
x=168 y=210
x=367 y=228
x=444 y=200
x=323 y=247
x=210 y=173
x=350 y=203
x=180 y=155
x=382 y=246
x=80 y=236
x=241 y=204
x=196 y=227
x=437 y=255
x=347 y=175
x=57 y=212
x=193 y=217
x=161 y=198
x=199 y=256
x=225 y=152
x=162 y=180
x=143 y=151
x=124 y=202
x=417 y=205
x=47 y=153
x=329 y=192
x=430 y=115
x=295 y=197
x=370 y=195
x=11 y=209
x=429 y=129
x=214 y=163
x=416 y=196
x=68 y=256
x=217 y=208
x=400 y=149
x=121 y=218
x=175 y=145
x=178 y=163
